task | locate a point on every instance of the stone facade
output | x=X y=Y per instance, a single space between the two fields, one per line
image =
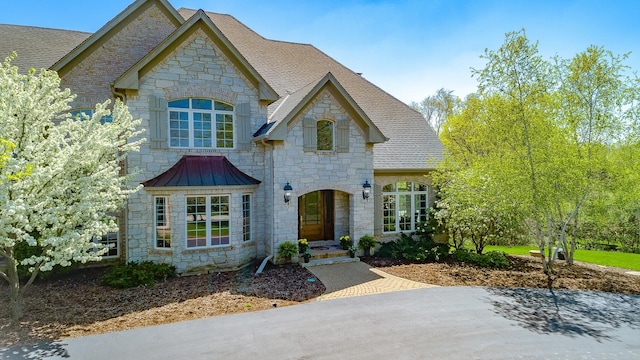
x=197 y=68
x=199 y=64
x=319 y=170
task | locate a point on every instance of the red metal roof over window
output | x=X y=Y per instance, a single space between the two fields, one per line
x=202 y=171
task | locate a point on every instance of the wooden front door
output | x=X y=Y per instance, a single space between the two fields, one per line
x=315 y=213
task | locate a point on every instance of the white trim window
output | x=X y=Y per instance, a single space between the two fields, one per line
x=246 y=217
x=207 y=220
x=201 y=124
x=325 y=135
x=405 y=204
x=162 y=223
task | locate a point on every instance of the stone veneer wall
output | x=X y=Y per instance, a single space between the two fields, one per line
x=312 y=171
x=91 y=78
x=379 y=182
x=197 y=65
x=342 y=214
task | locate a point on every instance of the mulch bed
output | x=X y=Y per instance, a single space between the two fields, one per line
x=77 y=305
x=523 y=272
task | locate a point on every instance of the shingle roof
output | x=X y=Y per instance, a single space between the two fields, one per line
x=192 y=170
x=288 y=67
x=37 y=47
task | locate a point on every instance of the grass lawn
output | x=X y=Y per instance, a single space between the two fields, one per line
x=607 y=258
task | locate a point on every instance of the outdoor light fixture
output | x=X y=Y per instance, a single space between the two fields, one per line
x=287 y=193
x=366 y=190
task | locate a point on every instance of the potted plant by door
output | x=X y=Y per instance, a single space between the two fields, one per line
x=286 y=251
x=366 y=243
x=303 y=245
x=345 y=242
x=352 y=251
x=307 y=256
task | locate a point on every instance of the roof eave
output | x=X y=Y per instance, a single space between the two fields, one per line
x=159 y=189
x=403 y=171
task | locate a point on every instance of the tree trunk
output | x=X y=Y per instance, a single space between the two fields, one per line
x=15 y=293
x=17 y=304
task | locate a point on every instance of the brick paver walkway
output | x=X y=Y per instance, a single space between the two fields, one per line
x=358 y=278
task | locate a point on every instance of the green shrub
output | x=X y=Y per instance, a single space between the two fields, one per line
x=286 y=250
x=492 y=259
x=134 y=274
x=367 y=242
x=418 y=250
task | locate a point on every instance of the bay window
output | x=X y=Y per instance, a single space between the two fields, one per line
x=162 y=223
x=207 y=221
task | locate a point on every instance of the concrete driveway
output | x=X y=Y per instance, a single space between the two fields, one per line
x=437 y=323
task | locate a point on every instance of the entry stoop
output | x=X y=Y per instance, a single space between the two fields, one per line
x=327 y=252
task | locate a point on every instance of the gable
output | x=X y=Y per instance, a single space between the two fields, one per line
x=91 y=68
x=329 y=91
x=198 y=23
x=133 y=32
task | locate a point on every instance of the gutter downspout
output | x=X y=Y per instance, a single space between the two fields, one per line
x=125 y=210
x=118 y=95
x=264 y=262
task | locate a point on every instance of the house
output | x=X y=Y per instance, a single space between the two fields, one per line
x=250 y=142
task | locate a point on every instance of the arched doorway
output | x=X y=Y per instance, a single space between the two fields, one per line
x=316 y=213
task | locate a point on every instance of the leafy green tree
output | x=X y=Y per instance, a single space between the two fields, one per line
x=61 y=183
x=437 y=108
x=611 y=216
x=473 y=208
x=541 y=133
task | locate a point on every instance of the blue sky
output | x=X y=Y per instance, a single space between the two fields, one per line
x=410 y=48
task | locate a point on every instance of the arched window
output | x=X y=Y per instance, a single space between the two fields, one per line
x=325 y=135
x=200 y=123
x=405 y=204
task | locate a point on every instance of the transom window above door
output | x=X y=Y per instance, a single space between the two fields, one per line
x=200 y=123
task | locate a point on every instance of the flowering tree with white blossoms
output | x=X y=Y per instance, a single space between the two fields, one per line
x=60 y=177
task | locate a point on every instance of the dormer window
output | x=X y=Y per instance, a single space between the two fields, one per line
x=325 y=135
x=200 y=123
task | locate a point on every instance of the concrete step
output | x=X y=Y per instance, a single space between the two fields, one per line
x=324 y=243
x=330 y=253
x=328 y=261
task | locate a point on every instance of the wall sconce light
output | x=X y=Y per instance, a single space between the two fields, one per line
x=287 y=193
x=366 y=190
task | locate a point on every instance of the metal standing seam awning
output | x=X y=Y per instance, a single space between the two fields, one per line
x=193 y=170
